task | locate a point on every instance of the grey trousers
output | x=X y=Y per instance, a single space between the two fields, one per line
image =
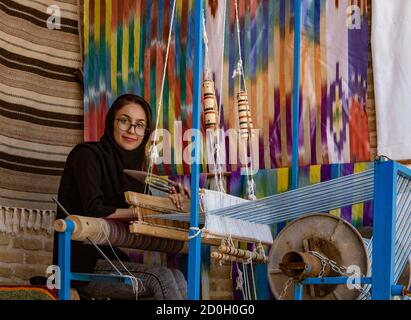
x=160 y=283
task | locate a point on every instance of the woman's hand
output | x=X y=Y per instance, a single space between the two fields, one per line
x=178 y=195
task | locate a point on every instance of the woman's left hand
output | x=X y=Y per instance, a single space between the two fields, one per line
x=178 y=195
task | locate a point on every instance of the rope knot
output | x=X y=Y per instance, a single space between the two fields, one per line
x=198 y=232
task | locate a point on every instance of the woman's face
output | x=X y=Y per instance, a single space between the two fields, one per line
x=126 y=136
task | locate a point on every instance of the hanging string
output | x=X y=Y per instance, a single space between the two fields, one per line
x=154 y=154
x=221 y=179
x=216 y=145
x=240 y=282
x=136 y=283
x=240 y=72
x=250 y=261
x=101 y=237
x=207 y=70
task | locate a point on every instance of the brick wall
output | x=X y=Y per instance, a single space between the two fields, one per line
x=26 y=244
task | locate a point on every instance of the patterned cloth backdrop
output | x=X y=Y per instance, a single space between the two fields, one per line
x=333 y=123
x=125 y=47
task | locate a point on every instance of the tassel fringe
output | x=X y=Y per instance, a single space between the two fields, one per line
x=16 y=220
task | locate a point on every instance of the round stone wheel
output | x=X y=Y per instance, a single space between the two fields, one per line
x=329 y=235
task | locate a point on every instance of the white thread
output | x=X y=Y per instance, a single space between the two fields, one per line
x=240 y=72
x=239 y=280
x=37 y=223
x=44 y=220
x=207 y=75
x=221 y=187
x=154 y=154
x=136 y=283
x=102 y=238
x=8 y=221
x=2 y=225
x=15 y=221
x=30 y=221
x=252 y=278
x=150 y=169
x=215 y=143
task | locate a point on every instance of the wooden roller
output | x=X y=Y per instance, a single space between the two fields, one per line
x=243 y=254
x=226 y=257
x=84 y=227
x=244 y=114
x=89 y=227
x=210 y=108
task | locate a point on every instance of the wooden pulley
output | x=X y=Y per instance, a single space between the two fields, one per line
x=333 y=238
x=210 y=107
x=244 y=115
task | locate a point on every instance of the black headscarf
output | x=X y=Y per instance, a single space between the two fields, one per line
x=114 y=158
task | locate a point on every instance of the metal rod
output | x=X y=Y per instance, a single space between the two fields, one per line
x=61 y=207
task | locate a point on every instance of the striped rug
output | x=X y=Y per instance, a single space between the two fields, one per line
x=41 y=109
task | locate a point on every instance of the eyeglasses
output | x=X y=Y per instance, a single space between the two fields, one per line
x=125 y=124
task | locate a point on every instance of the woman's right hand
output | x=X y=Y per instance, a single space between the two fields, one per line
x=178 y=195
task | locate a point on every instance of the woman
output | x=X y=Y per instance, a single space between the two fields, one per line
x=93 y=184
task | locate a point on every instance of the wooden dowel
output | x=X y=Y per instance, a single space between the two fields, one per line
x=243 y=254
x=60 y=225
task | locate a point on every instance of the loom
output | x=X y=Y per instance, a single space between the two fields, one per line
x=149 y=231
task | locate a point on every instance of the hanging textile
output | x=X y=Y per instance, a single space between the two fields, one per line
x=391 y=31
x=333 y=122
x=124 y=52
x=125 y=49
